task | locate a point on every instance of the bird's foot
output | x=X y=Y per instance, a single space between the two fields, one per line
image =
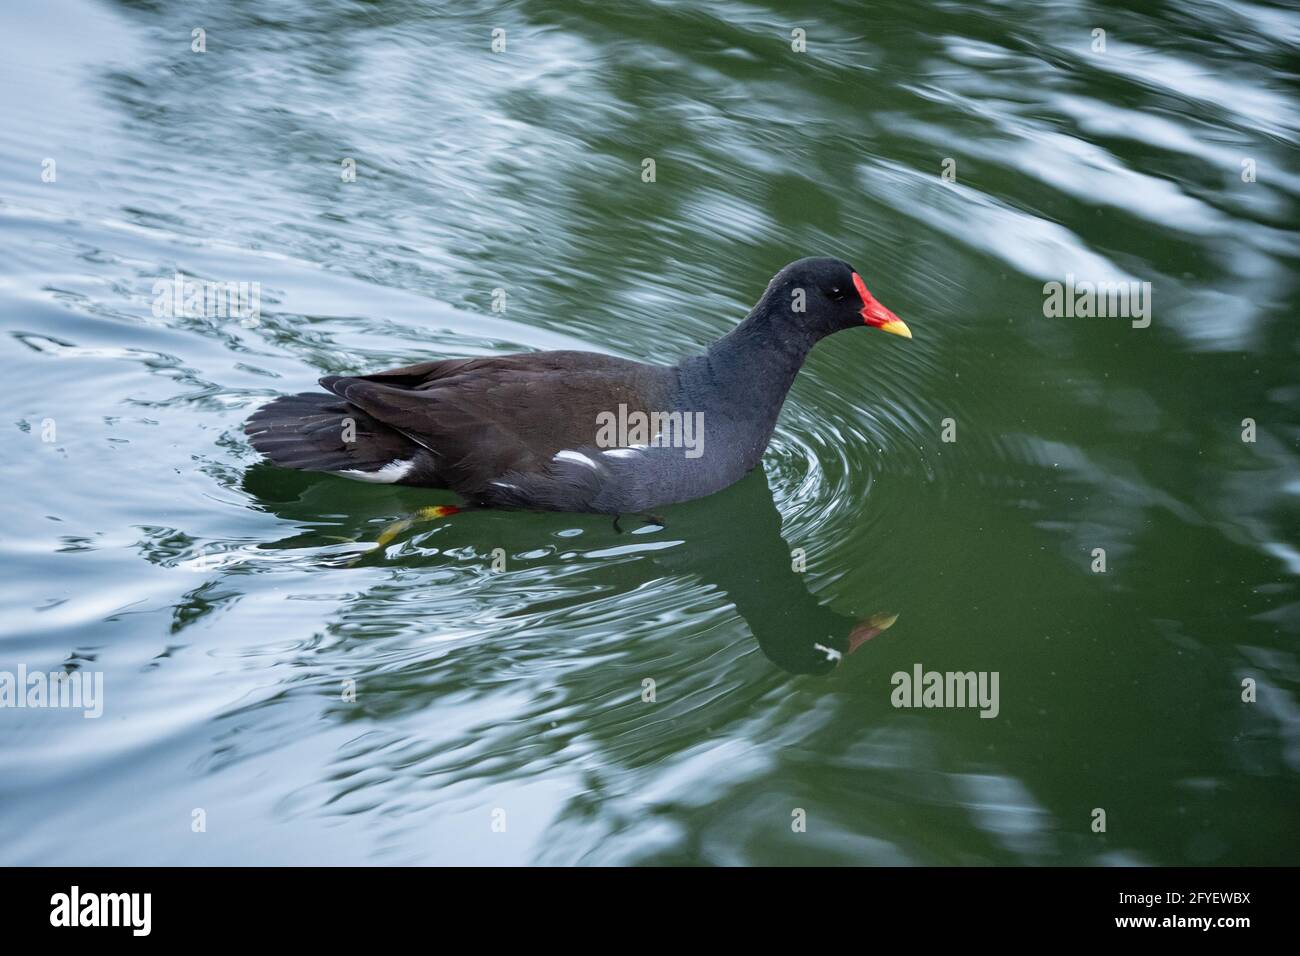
x=390 y=533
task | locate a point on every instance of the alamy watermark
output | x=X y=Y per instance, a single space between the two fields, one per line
x=922 y=688
x=77 y=690
x=637 y=429
x=75 y=908
x=181 y=297
x=1084 y=298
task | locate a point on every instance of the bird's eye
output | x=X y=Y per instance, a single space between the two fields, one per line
x=836 y=293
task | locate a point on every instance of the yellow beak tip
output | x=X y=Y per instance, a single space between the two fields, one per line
x=897 y=327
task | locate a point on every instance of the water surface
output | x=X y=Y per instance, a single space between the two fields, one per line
x=222 y=600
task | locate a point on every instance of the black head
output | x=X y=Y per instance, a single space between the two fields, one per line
x=823 y=295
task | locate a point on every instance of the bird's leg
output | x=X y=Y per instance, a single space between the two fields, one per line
x=617 y=528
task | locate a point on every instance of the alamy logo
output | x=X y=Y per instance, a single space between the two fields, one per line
x=1083 y=299
x=951 y=689
x=179 y=297
x=651 y=430
x=103 y=909
x=78 y=690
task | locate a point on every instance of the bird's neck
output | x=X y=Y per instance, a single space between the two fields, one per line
x=754 y=365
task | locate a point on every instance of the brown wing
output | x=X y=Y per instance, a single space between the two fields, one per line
x=485 y=417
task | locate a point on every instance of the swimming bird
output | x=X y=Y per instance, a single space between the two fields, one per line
x=575 y=431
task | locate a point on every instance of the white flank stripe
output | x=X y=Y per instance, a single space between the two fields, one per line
x=576 y=457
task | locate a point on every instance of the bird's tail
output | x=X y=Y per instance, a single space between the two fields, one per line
x=314 y=431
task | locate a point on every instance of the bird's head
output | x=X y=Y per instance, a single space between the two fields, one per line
x=825 y=295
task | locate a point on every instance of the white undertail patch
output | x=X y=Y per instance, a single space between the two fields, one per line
x=391 y=472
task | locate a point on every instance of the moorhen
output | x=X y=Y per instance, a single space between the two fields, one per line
x=575 y=431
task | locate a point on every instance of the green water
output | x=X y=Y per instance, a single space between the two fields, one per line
x=220 y=600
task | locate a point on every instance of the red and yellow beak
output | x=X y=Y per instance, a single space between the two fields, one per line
x=876 y=315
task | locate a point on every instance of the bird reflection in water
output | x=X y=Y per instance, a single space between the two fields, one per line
x=745 y=558
x=753 y=565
